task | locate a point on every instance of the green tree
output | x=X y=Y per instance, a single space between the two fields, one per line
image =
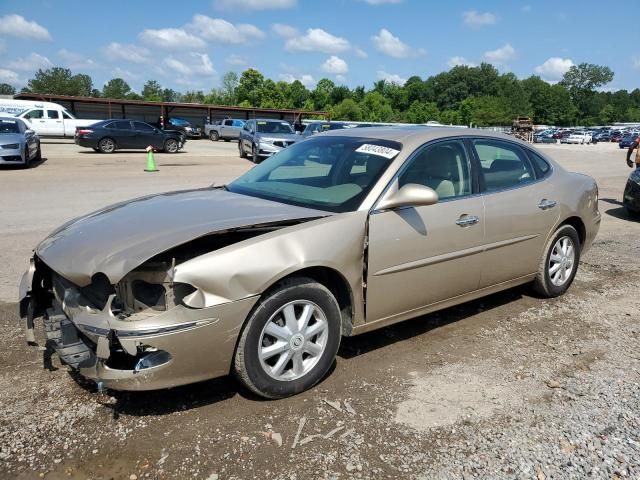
x=321 y=95
x=376 y=108
x=422 y=112
x=347 y=109
x=250 y=87
x=229 y=87
x=170 y=95
x=116 y=88
x=152 y=91
x=298 y=94
x=193 y=96
x=581 y=81
x=6 y=89
x=60 y=81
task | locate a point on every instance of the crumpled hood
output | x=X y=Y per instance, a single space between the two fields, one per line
x=117 y=239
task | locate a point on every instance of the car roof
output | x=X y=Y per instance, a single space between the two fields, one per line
x=409 y=135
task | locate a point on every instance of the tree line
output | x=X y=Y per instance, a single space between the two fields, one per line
x=478 y=95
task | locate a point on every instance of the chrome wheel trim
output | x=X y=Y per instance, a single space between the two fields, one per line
x=109 y=144
x=172 y=146
x=561 y=261
x=293 y=340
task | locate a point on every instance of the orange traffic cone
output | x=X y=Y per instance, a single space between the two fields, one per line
x=151 y=163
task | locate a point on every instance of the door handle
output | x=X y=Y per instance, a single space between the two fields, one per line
x=467 y=220
x=546 y=204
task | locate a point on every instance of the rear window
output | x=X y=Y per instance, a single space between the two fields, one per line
x=9 y=126
x=540 y=164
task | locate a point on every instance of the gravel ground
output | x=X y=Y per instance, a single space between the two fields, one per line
x=509 y=386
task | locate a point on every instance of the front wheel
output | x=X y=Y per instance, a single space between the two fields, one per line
x=559 y=263
x=255 y=158
x=171 y=146
x=241 y=150
x=38 y=156
x=290 y=340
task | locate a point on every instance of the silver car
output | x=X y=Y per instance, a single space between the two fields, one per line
x=19 y=145
x=260 y=139
x=337 y=235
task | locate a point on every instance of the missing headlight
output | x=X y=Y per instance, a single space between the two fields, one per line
x=148 y=295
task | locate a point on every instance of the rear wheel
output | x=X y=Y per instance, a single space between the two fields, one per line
x=290 y=340
x=241 y=150
x=214 y=136
x=559 y=263
x=171 y=145
x=107 y=145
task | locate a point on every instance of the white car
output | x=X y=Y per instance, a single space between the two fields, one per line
x=44 y=118
x=578 y=137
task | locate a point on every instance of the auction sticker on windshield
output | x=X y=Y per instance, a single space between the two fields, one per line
x=385 y=152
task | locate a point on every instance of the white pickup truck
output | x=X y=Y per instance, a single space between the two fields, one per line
x=45 y=118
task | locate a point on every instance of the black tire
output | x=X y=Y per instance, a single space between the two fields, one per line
x=27 y=161
x=634 y=214
x=214 y=136
x=171 y=145
x=241 y=150
x=96 y=149
x=543 y=284
x=107 y=145
x=38 y=156
x=227 y=139
x=248 y=367
x=254 y=154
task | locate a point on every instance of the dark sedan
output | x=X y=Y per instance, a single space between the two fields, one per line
x=108 y=136
x=628 y=139
x=631 y=197
x=184 y=126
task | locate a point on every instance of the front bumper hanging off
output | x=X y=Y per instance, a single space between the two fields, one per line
x=146 y=351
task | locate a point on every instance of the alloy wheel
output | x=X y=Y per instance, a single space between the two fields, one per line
x=293 y=340
x=562 y=261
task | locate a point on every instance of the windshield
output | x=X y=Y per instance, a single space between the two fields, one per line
x=273 y=127
x=332 y=173
x=9 y=126
x=180 y=122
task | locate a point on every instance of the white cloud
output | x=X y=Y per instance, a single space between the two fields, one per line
x=219 y=30
x=10 y=77
x=554 y=68
x=284 y=31
x=171 y=38
x=501 y=55
x=190 y=64
x=126 y=52
x=18 y=26
x=236 y=60
x=306 y=79
x=254 y=4
x=341 y=78
x=476 y=19
x=457 y=61
x=381 y=2
x=31 y=63
x=75 y=60
x=317 y=40
x=124 y=74
x=360 y=53
x=391 y=77
x=391 y=45
x=335 y=65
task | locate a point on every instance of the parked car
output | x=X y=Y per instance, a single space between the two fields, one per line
x=228 y=129
x=108 y=136
x=602 y=136
x=319 y=127
x=547 y=138
x=616 y=136
x=627 y=140
x=44 y=118
x=262 y=277
x=184 y=126
x=19 y=145
x=631 y=196
x=578 y=137
x=263 y=138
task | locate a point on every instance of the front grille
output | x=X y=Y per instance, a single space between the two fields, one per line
x=12 y=158
x=283 y=143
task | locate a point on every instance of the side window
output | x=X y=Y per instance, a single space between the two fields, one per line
x=228 y=123
x=443 y=167
x=503 y=165
x=247 y=127
x=121 y=125
x=542 y=166
x=66 y=116
x=142 y=127
x=238 y=123
x=34 y=114
x=53 y=114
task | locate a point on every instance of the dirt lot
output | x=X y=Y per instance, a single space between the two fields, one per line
x=510 y=386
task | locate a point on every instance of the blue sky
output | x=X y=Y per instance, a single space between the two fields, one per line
x=189 y=45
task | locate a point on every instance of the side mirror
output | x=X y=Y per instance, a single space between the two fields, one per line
x=410 y=195
x=29 y=132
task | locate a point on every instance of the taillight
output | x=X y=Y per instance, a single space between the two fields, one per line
x=84 y=131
